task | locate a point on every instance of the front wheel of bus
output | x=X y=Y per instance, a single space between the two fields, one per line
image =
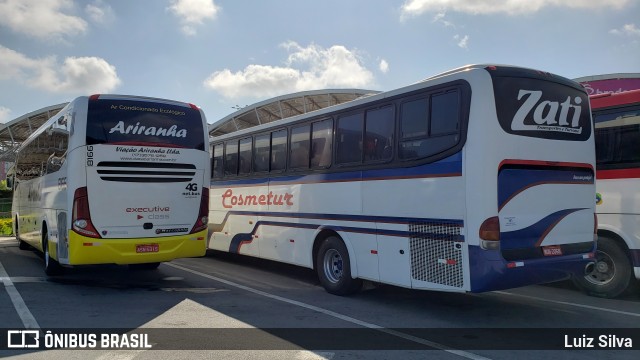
x=21 y=244
x=51 y=267
x=610 y=275
x=334 y=268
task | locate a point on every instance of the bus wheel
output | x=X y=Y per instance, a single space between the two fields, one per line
x=610 y=275
x=334 y=269
x=145 y=266
x=51 y=267
x=21 y=244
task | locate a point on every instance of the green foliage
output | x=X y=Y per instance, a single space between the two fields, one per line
x=3 y=185
x=6 y=227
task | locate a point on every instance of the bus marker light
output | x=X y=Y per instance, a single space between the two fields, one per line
x=516 y=264
x=447 y=261
x=374 y=252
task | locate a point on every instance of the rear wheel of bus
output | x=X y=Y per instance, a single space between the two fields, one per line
x=51 y=266
x=610 y=275
x=334 y=268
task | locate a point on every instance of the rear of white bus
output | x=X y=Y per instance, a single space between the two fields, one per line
x=137 y=183
x=536 y=151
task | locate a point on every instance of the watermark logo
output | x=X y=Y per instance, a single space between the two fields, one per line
x=23 y=339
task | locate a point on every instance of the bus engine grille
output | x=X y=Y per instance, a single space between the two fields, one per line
x=436 y=253
x=145 y=172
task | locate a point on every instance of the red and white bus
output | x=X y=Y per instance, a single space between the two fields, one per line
x=617 y=132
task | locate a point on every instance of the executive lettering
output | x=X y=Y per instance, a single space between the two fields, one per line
x=148 y=209
x=230 y=200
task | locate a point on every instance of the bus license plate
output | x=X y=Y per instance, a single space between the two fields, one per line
x=147 y=248
x=553 y=250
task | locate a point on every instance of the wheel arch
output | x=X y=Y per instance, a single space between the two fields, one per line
x=619 y=240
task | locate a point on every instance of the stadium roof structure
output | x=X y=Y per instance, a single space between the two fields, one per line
x=14 y=132
x=283 y=107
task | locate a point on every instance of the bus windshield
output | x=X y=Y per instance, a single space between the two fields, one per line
x=133 y=122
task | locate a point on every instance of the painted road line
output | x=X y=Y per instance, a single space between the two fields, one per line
x=334 y=314
x=570 y=304
x=27 y=318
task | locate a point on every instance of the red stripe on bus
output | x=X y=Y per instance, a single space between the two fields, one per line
x=544 y=163
x=618 y=174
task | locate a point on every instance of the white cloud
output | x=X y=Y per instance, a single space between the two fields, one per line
x=627 y=29
x=439 y=18
x=42 y=19
x=4 y=114
x=193 y=12
x=307 y=68
x=512 y=7
x=100 y=12
x=384 y=66
x=462 y=41
x=74 y=75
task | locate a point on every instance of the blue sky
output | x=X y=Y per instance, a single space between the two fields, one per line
x=219 y=54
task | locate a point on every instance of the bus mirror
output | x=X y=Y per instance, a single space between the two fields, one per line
x=10 y=182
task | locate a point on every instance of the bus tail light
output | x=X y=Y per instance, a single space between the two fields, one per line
x=490 y=234
x=203 y=220
x=81 y=218
x=595 y=227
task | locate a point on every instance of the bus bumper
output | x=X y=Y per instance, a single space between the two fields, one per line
x=489 y=271
x=88 y=251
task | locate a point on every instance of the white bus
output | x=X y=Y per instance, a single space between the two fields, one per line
x=114 y=179
x=478 y=179
x=617 y=133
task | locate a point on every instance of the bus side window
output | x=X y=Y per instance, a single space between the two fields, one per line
x=231 y=158
x=279 y=150
x=321 y=137
x=299 y=153
x=379 y=131
x=261 y=153
x=216 y=166
x=245 y=156
x=349 y=138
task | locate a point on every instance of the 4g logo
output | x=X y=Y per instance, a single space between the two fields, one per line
x=192 y=187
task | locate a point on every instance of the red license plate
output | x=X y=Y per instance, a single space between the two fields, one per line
x=553 y=250
x=147 y=248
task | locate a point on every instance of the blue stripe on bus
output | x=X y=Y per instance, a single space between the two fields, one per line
x=346 y=217
x=533 y=235
x=512 y=182
x=244 y=238
x=448 y=167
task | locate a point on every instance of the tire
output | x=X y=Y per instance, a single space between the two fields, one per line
x=334 y=268
x=611 y=275
x=51 y=266
x=145 y=266
x=21 y=244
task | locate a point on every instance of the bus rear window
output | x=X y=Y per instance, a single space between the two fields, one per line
x=542 y=108
x=133 y=122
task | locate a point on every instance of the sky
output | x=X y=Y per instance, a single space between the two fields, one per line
x=221 y=55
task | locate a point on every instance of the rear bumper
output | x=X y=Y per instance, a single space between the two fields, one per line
x=489 y=271
x=86 y=251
